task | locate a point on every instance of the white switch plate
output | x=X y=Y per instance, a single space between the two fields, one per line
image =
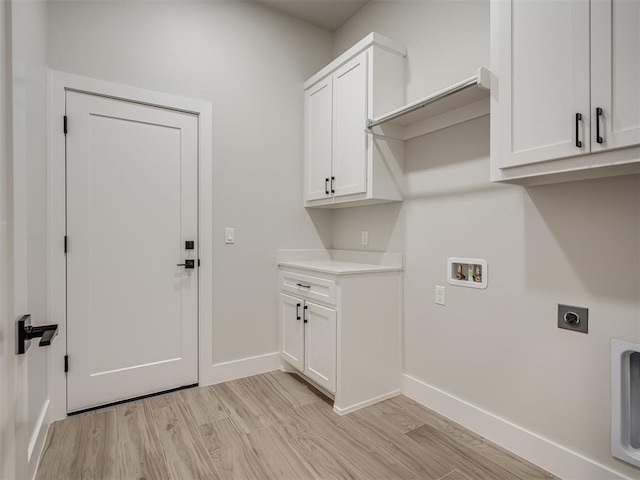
x=365 y=237
x=229 y=235
x=440 y=300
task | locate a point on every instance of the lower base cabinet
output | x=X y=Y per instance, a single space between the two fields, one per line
x=342 y=332
x=309 y=339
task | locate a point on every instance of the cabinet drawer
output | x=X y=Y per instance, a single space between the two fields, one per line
x=305 y=286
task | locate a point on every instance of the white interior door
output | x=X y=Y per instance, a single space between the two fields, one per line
x=292 y=331
x=321 y=344
x=131 y=206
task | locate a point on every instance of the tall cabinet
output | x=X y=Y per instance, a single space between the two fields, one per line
x=565 y=83
x=344 y=165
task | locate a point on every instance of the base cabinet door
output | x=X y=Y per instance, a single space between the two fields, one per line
x=292 y=331
x=321 y=345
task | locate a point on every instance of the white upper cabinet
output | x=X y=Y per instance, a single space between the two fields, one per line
x=565 y=87
x=318 y=106
x=545 y=46
x=349 y=166
x=345 y=165
x=615 y=73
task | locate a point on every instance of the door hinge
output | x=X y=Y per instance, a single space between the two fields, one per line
x=66 y=363
x=64 y=124
x=65 y=244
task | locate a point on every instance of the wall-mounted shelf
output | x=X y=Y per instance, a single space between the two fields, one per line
x=458 y=103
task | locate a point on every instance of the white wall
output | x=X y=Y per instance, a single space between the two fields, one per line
x=250 y=61
x=578 y=243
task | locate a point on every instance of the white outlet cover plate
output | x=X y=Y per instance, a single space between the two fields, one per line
x=440 y=295
x=467 y=283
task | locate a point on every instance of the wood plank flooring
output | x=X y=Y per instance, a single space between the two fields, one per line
x=271 y=426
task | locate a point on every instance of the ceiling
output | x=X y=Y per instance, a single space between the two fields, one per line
x=328 y=14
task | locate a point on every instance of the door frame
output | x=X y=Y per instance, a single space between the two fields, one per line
x=58 y=84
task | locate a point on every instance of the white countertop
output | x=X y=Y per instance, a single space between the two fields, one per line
x=337 y=267
x=340 y=262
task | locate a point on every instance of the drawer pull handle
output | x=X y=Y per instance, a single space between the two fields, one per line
x=303 y=286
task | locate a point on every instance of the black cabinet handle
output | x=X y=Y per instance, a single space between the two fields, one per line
x=298 y=311
x=599 y=139
x=578 y=119
x=326 y=186
x=332 y=180
x=305 y=314
x=303 y=285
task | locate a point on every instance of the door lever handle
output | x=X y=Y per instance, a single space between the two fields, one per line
x=25 y=332
x=188 y=264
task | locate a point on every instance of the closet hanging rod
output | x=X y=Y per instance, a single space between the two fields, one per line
x=480 y=80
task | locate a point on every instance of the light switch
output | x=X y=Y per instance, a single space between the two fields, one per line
x=229 y=235
x=365 y=237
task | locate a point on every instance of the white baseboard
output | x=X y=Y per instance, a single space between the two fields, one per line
x=366 y=403
x=245 y=367
x=546 y=454
x=36 y=442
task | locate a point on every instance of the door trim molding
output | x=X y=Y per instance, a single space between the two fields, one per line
x=58 y=83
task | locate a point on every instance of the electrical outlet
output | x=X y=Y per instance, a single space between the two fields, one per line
x=365 y=237
x=440 y=300
x=573 y=318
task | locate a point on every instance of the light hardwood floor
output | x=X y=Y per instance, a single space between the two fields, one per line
x=271 y=426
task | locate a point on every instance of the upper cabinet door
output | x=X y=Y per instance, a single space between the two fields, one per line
x=540 y=58
x=615 y=69
x=318 y=115
x=349 y=122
